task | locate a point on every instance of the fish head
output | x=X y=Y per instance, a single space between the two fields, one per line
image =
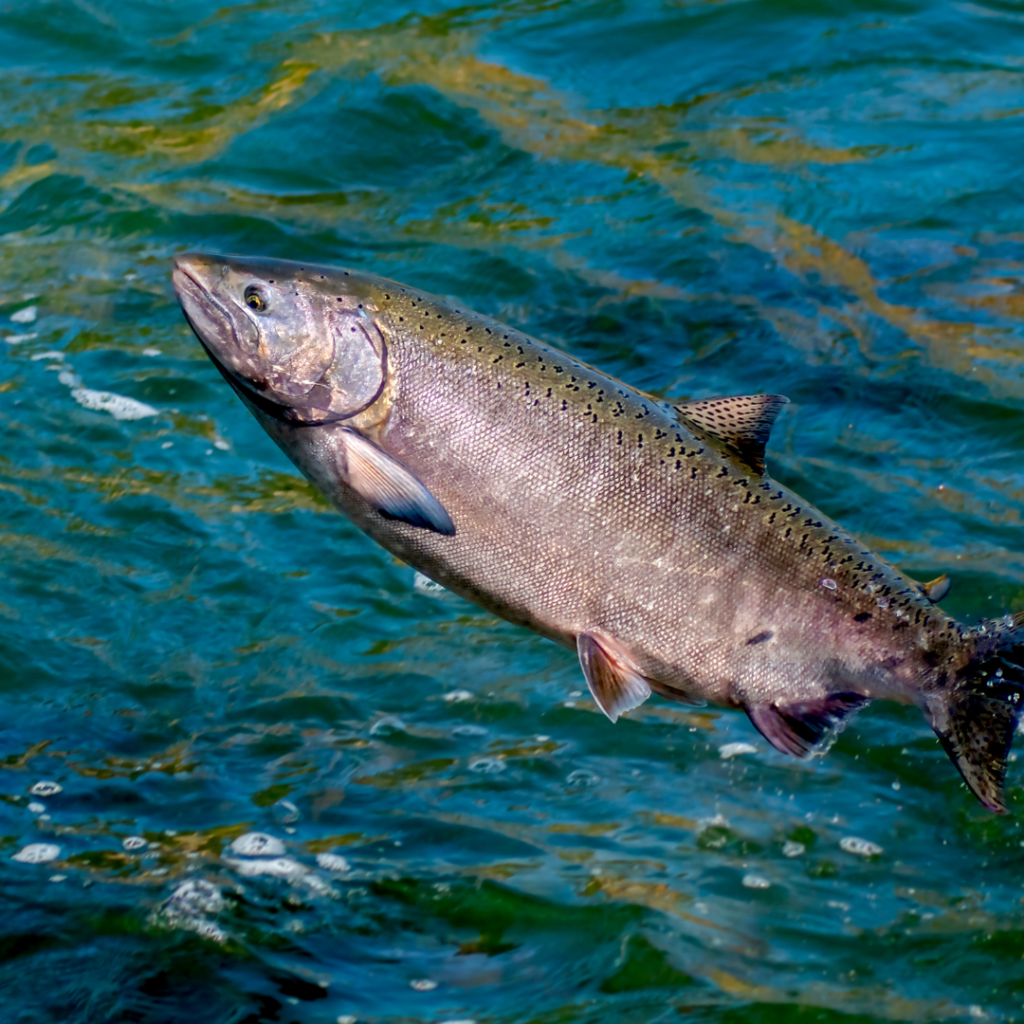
x=296 y=340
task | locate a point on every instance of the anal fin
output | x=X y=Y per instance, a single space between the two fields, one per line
x=614 y=680
x=387 y=485
x=805 y=727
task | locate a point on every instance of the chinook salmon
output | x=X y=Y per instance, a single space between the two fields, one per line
x=645 y=536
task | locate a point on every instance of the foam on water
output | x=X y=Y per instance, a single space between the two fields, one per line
x=37 y=853
x=257 y=844
x=119 y=406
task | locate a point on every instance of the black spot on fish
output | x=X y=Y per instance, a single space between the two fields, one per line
x=862 y=617
x=765 y=634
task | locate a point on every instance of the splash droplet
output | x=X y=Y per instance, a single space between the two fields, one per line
x=728 y=750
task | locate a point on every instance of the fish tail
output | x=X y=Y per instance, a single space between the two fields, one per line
x=976 y=717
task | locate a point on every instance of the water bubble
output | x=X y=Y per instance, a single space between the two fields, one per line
x=25 y=316
x=458 y=696
x=828 y=584
x=469 y=730
x=487 y=765
x=423 y=984
x=276 y=867
x=860 y=847
x=257 y=844
x=197 y=896
x=46 y=788
x=756 y=882
x=186 y=908
x=151 y=352
x=333 y=862
x=468 y=1020
x=58 y=878
x=387 y=726
x=37 y=853
x=285 y=812
x=132 y=843
x=346 y=1018
x=582 y=777
x=790 y=848
x=733 y=749
x=36 y=808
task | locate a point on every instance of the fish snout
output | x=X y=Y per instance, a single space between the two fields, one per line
x=199 y=269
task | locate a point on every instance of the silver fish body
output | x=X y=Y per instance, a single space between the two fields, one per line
x=646 y=537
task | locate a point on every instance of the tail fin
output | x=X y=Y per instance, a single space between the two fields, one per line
x=976 y=719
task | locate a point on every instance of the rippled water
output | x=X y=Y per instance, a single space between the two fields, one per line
x=823 y=200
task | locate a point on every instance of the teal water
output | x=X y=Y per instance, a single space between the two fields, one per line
x=824 y=200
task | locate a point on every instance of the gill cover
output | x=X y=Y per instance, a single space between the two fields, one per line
x=283 y=335
x=318 y=364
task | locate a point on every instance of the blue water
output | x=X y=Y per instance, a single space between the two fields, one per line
x=823 y=200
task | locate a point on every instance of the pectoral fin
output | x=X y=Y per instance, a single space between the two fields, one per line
x=614 y=680
x=387 y=485
x=807 y=727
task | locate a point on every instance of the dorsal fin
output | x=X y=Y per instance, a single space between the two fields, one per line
x=741 y=423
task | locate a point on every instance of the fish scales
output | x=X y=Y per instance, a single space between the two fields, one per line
x=645 y=536
x=667 y=545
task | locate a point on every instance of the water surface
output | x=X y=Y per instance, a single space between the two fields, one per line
x=822 y=200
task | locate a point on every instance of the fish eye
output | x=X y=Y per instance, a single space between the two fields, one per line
x=254 y=299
